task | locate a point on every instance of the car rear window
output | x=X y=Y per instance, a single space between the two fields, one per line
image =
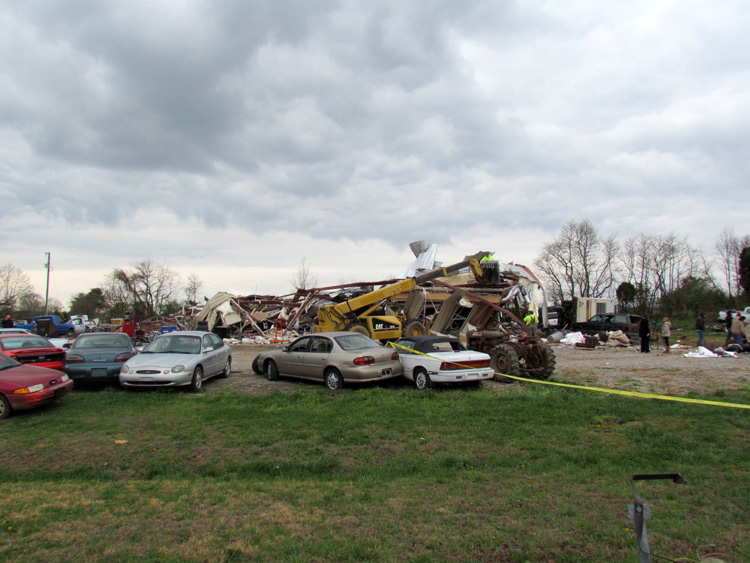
x=22 y=342
x=355 y=342
x=107 y=341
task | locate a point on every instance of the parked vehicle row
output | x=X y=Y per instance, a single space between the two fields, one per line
x=33 y=372
x=336 y=358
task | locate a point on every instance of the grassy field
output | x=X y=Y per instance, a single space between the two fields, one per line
x=375 y=474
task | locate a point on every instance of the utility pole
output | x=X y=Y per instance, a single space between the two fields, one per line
x=46 y=293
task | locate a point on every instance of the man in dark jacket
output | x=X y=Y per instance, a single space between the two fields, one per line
x=7 y=322
x=728 y=324
x=644 y=332
x=700 y=326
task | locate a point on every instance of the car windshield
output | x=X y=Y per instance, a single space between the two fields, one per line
x=24 y=342
x=88 y=342
x=7 y=363
x=356 y=342
x=174 y=345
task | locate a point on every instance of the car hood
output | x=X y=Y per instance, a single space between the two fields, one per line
x=24 y=376
x=161 y=360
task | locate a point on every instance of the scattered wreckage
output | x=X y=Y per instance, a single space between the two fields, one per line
x=479 y=300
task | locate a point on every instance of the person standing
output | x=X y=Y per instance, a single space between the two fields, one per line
x=666 y=332
x=728 y=319
x=644 y=332
x=8 y=322
x=700 y=326
x=738 y=329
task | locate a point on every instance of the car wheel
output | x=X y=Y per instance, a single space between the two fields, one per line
x=272 y=372
x=256 y=366
x=72 y=332
x=227 y=369
x=197 y=381
x=333 y=379
x=422 y=379
x=5 y=410
x=504 y=361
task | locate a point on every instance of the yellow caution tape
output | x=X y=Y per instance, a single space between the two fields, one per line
x=638 y=394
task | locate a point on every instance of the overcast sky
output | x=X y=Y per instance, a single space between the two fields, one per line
x=233 y=139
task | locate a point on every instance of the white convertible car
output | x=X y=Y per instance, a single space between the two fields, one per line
x=428 y=360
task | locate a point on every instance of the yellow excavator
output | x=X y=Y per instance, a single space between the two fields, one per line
x=358 y=314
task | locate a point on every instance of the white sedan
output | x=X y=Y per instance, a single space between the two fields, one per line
x=178 y=359
x=428 y=360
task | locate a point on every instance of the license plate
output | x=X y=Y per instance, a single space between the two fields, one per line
x=99 y=372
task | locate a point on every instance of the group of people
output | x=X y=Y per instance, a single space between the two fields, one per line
x=737 y=329
x=644 y=333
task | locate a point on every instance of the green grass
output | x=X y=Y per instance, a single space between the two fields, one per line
x=376 y=474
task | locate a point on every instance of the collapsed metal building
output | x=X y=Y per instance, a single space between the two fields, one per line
x=496 y=299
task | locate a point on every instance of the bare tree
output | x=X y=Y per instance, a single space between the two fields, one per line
x=578 y=262
x=14 y=286
x=729 y=247
x=147 y=285
x=304 y=277
x=193 y=287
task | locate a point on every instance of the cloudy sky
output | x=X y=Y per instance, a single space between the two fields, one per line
x=234 y=139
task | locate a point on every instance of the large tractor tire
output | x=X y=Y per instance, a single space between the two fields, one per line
x=413 y=327
x=358 y=327
x=504 y=360
x=548 y=363
x=543 y=365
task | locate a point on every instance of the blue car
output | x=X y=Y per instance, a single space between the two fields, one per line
x=98 y=356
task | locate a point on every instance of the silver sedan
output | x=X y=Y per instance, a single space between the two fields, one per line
x=332 y=357
x=178 y=359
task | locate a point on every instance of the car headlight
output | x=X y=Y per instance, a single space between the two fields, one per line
x=65 y=377
x=177 y=369
x=124 y=369
x=31 y=389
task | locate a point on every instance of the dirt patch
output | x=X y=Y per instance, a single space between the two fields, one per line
x=613 y=368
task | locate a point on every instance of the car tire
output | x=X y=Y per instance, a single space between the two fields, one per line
x=272 y=372
x=72 y=332
x=333 y=379
x=256 y=366
x=197 y=381
x=504 y=360
x=422 y=379
x=227 y=369
x=5 y=409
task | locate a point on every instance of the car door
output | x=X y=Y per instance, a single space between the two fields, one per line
x=211 y=356
x=292 y=360
x=316 y=359
x=221 y=350
x=407 y=356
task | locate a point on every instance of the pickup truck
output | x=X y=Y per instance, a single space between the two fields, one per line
x=62 y=327
x=723 y=314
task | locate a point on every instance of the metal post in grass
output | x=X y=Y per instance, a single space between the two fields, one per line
x=639 y=511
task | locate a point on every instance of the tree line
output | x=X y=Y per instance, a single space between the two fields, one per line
x=146 y=288
x=646 y=273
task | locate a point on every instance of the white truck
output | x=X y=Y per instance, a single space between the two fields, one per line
x=81 y=323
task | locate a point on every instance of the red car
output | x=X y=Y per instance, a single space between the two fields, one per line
x=32 y=350
x=25 y=387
